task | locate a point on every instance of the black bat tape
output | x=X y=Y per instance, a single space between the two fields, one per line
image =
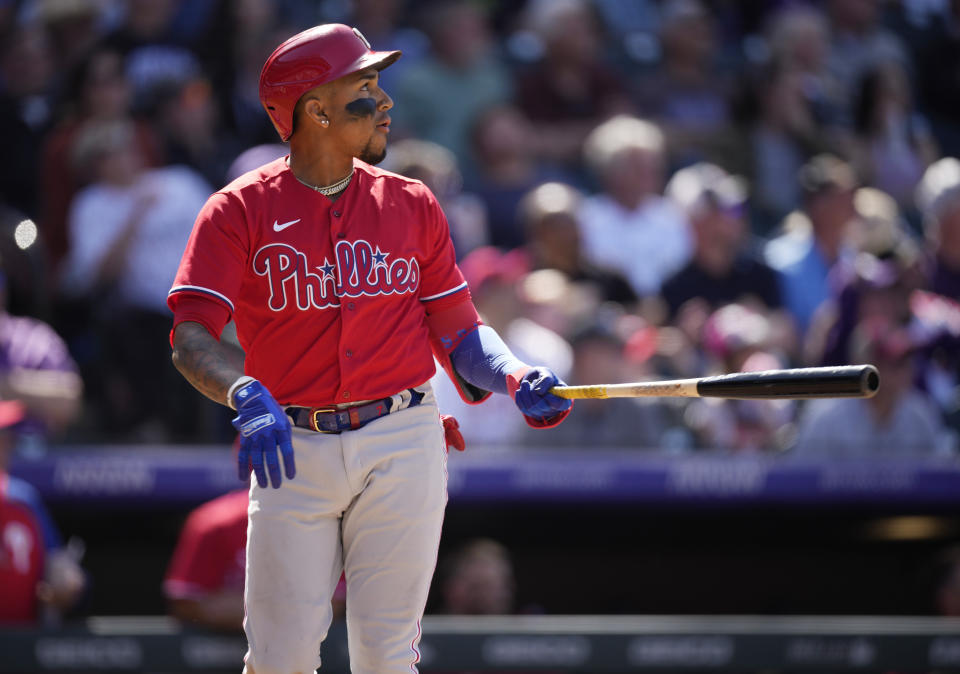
x=848 y=381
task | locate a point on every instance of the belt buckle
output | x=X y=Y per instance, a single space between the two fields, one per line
x=313 y=418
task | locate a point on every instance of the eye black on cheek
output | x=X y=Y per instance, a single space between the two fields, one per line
x=362 y=107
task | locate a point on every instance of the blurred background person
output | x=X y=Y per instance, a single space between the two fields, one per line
x=892 y=144
x=572 y=86
x=725 y=266
x=203 y=584
x=898 y=421
x=601 y=355
x=876 y=277
x=184 y=113
x=74 y=26
x=439 y=98
x=938 y=198
x=27 y=95
x=946 y=585
x=204 y=581
x=40 y=578
x=629 y=226
x=811 y=238
x=477 y=579
x=798 y=39
x=506 y=167
x=97 y=91
x=740 y=338
x=128 y=228
x=383 y=23
x=437 y=167
x=783 y=133
x=37 y=371
x=937 y=75
x=858 y=42
x=237 y=43
x=550 y=217
x=688 y=94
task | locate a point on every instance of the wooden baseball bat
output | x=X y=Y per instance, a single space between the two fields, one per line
x=847 y=381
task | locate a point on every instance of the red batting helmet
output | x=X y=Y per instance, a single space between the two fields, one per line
x=316 y=56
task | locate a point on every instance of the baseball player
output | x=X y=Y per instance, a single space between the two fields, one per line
x=342 y=282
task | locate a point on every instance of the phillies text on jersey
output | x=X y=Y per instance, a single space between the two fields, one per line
x=328 y=297
x=358 y=271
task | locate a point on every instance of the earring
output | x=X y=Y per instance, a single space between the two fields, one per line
x=325 y=122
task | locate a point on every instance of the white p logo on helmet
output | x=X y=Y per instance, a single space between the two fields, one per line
x=362 y=38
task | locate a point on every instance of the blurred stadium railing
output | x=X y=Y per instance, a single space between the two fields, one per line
x=151 y=476
x=528 y=643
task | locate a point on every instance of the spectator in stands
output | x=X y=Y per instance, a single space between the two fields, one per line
x=898 y=421
x=687 y=94
x=875 y=278
x=437 y=167
x=152 y=52
x=938 y=198
x=938 y=77
x=380 y=21
x=571 y=88
x=784 y=135
x=128 y=228
x=505 y=169
x=40 y=578
x=36 y=370
x=739 y=338
x=812 y=237
x=798 y=37
x=439 y=98
x=97 y=91
x=184 y=112
x=237 y=44
x=477 y=579
x=600 y=355
x=27 y=81
x=630 y=227
x=74 y=26
x=550 y=216
x=892 y=142
x=723 y=268
x=858 y=43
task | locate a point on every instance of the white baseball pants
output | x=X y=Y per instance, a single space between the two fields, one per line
x=369 y=502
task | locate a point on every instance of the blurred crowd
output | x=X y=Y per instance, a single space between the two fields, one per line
x=636 y=190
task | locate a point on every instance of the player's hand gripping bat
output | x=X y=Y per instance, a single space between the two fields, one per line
x=847 y=381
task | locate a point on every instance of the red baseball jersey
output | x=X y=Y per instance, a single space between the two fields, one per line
x=211 y=551
x=22 y=559
x=329 y=298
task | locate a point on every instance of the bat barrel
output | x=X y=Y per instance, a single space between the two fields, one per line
x=848 y=381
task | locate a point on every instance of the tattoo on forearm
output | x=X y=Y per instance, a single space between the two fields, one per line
x=206 y=363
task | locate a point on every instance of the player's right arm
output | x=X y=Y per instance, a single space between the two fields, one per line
x=202 y=300
x=209 y=365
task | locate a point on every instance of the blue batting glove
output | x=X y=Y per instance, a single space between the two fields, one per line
x=533 y=395
x=263 y=427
